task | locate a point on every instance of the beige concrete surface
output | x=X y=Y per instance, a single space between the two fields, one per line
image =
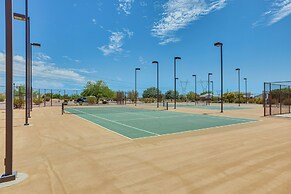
x=65 y=154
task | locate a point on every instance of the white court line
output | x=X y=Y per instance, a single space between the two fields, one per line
x=119 y=123
x=101 y=126
x=156 y=118
x=195 y=130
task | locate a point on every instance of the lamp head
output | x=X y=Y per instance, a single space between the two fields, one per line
x=194 y=75
x=155 y=62
x=137 y=69
x=209 y=73
x=178 y=58
x=237 y=69
x=245 y=78
x=35 y=44
x=18 y=16
x=218 y=44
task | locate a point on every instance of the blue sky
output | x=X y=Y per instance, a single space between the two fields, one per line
x=106 y=39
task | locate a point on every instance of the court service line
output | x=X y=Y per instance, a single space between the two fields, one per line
x=101 y=126
x=156 y=134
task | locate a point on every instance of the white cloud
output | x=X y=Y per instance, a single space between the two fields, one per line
x=42 y=56
x=169 y=40
x=141 y=60
x=279 y=9
x=42 y=70
x=115 y=45
x=129 y=33
x=178 y=14
x=94 y=21
x=72 y=60
x=125 y=6
x=116 y=41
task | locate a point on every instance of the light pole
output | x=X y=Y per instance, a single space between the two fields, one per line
x=156 y=62
x=175 y=81
x=238 y=71
x=246 y=85
x=135 y=92
x=31 y=91
x=9 y=175
x=208 y=93
x=27 y=48
x=219 y=44
x=195 y=86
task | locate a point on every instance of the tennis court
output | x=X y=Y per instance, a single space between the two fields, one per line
x=136 y=123
x=207 y=107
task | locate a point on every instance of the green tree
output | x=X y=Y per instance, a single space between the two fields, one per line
x=191 y=96
x=170 y=94
x=98 y=89
x=229 y=97
x=131 y=95
x=151 y=93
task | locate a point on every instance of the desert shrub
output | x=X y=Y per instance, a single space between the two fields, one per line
x=148 y=100
x=37 y=102
x=18 y=103
x=47 y=98
x=2 y=97
x=287 y=102
x=91 y=100
x=259 y=101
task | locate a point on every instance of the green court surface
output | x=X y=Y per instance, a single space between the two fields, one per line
x=136 y=123
x=208 y=107
x=212 y=107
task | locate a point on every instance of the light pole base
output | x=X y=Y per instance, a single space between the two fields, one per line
x=7 y=178
x=26 y=124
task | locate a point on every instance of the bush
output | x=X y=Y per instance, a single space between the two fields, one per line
x=18 y=103
x=47 y=98
x=36 y=102
x=287 y=102
x=91 y=100
x=259 y=100
x=2 y=97
x=148 y=100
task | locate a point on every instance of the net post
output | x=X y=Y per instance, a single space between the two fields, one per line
x=63 y=108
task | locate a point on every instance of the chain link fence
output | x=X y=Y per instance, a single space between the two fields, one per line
x=277 y=98
x=40 y=97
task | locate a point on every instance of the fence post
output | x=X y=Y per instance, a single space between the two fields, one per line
x=167 y=104
x=63 y=108
x=264 y=100
x=280 y=99
x=39 y=97
x=270 y=100
x=289 y=98
x=44 y=100
x=51 y=97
